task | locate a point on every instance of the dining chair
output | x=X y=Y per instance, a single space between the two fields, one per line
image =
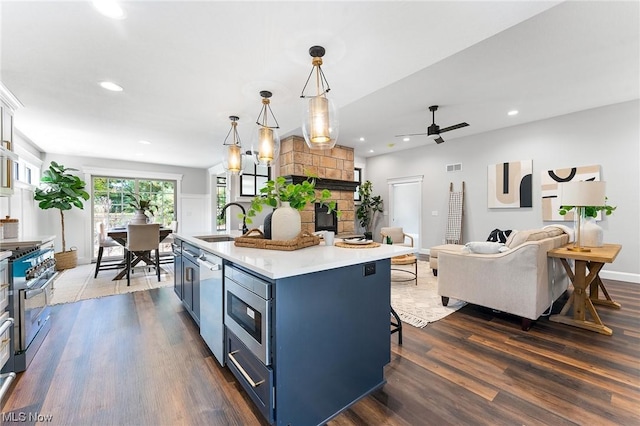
x=142 y=238
x=166 y=255
x=104 y=242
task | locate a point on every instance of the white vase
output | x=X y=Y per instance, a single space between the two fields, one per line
x=591 y=234
x=285 y=223
x=140 y=218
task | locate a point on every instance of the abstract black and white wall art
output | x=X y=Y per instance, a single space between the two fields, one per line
x=550 y=196
x=509 y=185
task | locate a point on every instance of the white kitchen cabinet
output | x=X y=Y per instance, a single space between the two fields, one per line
x=8 y=105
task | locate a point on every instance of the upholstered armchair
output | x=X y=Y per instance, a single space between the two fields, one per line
x=397 y=236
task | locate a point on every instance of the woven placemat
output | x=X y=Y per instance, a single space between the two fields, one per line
x=355 y=246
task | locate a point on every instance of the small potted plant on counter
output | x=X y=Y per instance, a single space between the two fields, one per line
x=288 y=200
x=61 y=190
x=369 y=206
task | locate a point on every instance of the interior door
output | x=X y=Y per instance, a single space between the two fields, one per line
x=406 y=206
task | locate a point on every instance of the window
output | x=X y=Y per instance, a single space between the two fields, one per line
x=253 y=178
x=357 y=176
x=221 y=200
x=111 y=207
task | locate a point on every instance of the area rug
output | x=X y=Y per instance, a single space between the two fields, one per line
x=72 y=285
x=418 y=305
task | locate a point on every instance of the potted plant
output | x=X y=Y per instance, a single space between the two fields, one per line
x=369 y=206
x=61 y=190
x=288 y=200
x=141 y=206
x=591 y=234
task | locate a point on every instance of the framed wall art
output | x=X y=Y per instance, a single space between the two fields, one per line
x=509 y=185
x=550 y=196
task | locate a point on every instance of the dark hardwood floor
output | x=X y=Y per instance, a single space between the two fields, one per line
x=138 y=359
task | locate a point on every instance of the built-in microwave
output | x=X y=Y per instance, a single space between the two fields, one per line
x=248 y=311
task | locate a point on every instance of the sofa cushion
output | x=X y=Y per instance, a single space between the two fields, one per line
x=499 y=236
x=485 y=247
x=519 y=237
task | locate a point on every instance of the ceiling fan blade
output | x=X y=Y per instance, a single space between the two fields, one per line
x=439 y=139
x=454 y=127
x=411 y=134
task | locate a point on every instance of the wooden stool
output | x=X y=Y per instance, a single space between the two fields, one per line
x=406 y=259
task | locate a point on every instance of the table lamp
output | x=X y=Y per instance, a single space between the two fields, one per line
x=581 y=194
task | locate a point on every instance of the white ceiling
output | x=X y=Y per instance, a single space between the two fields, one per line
x=186 y=66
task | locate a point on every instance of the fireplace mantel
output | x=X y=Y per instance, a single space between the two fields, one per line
x=323 y=183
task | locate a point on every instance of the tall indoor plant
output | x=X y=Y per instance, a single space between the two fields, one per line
x=61 y=190
x=369 y=206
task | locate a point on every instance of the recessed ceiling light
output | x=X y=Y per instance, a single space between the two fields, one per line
x=406 y=139
x=145 y=142
x=111 y=86
x=513 y=112
x=361 y=139
x=109 y=8
x=371 y=150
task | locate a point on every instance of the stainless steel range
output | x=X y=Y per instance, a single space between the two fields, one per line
x=31 y=275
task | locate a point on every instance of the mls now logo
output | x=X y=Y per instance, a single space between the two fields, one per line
x=20 y=416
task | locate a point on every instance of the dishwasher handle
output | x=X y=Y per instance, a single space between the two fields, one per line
x=208 y=265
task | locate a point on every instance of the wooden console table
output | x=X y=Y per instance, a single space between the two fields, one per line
x=587 y=268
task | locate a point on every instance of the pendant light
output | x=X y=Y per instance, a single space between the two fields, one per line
x=232 y=161
x=320 y=122
x=265 y=142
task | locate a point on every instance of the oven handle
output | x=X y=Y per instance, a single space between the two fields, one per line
x=242 y=371
x=5 y=325
x=32 y=293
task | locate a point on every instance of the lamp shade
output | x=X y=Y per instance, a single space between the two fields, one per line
x=583 y=193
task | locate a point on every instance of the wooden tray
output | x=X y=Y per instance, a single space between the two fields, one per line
x=254 y=238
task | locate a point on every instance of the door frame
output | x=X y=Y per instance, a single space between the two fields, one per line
x=402 y=180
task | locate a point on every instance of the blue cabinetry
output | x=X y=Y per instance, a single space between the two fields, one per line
x=329 y=339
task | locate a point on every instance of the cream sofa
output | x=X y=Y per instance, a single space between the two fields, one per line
x=521 y=281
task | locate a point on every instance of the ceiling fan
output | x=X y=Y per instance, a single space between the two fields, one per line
x=434 y=131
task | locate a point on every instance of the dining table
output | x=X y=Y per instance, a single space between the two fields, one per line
x=119 y=235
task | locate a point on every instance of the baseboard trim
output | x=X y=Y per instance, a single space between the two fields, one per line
x=620 y=276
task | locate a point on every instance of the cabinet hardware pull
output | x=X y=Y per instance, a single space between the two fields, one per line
x=5 y=325
x=244 y=373
x=3 y=286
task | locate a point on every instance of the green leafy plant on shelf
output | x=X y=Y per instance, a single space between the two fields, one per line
x=298 y=195
x=589 y=211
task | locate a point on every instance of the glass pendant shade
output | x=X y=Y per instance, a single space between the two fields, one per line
x=232 y=160
x=320 y=118
x=265 y=146
x=320 y=126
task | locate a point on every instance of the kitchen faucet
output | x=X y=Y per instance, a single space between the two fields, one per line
x=244 y=217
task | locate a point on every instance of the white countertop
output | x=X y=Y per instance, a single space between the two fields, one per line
x=25 y=241
x=4 y=255
x=277 y=264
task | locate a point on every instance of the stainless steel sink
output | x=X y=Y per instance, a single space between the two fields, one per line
x=214 y=238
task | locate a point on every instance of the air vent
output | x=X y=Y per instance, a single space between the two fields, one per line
x=454 y=167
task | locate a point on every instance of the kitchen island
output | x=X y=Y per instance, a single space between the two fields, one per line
x=322 y=335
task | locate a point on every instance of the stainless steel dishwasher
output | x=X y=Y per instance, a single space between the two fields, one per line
x=211 y=304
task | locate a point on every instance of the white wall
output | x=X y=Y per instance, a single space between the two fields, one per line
x=78 y=227
x=608 y=136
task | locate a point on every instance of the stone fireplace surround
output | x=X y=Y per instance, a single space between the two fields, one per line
x=334 y=168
